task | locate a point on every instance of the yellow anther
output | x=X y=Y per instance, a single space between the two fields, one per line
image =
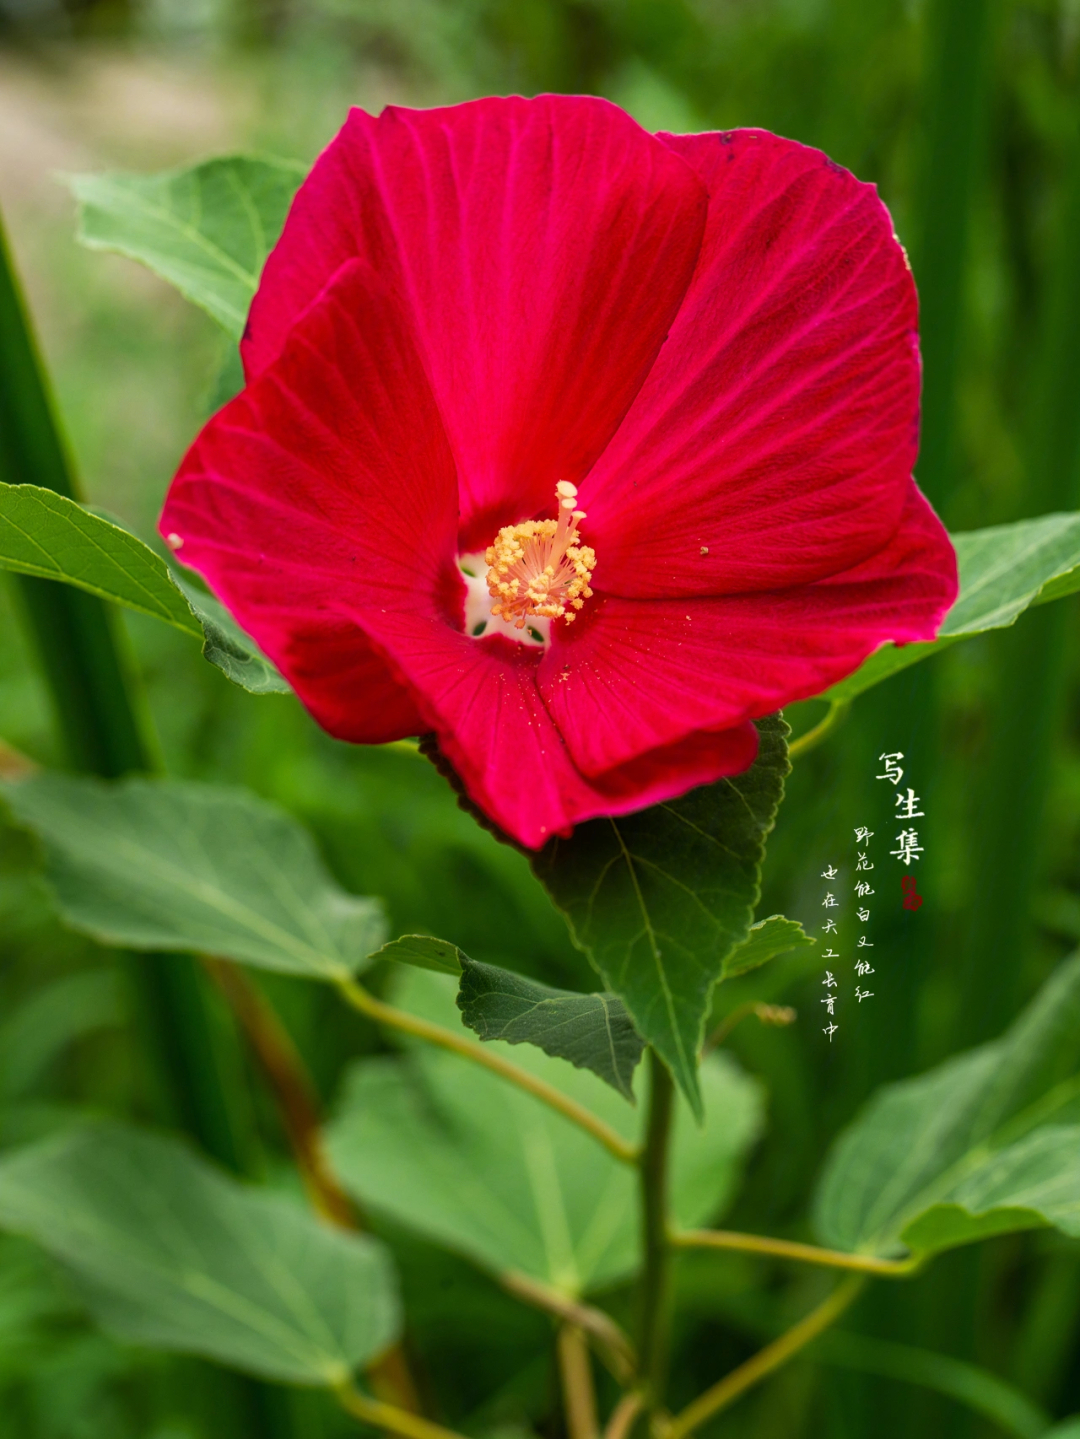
x=540 y=567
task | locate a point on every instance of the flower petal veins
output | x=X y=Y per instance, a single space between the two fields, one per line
x=474 y=310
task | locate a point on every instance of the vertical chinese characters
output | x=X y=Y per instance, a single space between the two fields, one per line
x=830 y=903
x=863 y=890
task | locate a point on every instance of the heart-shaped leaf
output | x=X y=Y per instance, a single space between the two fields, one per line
x=987 y=1142
x=170 y=1253
x=207 y=228
x=476 y=1165
x=1003 y=570
x=163 y=865
x=659 y=899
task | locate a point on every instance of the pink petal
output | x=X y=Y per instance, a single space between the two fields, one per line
x=325 y=489
x=772 y=443
x=634 y=674
x=544 y=246
x=480 y=698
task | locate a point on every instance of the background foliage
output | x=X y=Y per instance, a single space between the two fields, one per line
x=966 y=114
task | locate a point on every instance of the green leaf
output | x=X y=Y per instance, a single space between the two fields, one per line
x=767 y=939
x=978 y=1389
x=424 y=952
x=206 y=229
x=478 y=1166
x=659 y=899
x=1003 y=571
x=48 y=535
x=986 y=1143
x=226 y=646
x=592 y=1031
x=163 y=865
x=171 y=1254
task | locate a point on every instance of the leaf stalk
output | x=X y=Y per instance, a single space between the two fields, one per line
x=389 y=1417
x=612 y=1345
x=400 y=1019
x=623 y=1415
x=791 y=1249
x=835 y=716
x=760 y=1365
x=575 y=1374
x=655 y=1282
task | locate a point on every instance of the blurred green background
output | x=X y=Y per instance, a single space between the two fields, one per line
x=966 y=114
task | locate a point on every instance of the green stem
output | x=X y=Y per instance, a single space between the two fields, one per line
x=579 y=1391
x=106 y=732
x=612 y=1345
x=791 y=1249
x=79 y=645
x=382 y=1013
x=388 y=1417
x=623 y=1416
x=655 y=1284
x=836 y=714
x=764 y=1362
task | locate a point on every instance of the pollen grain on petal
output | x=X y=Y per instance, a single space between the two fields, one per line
x=540 y=567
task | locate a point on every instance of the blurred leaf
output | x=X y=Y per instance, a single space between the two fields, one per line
x=476 y=1165
x=977 y=1388
x=658 y=899
x=227 y=647
x=986 y=1143
x=206 y=229
x=592 y=1031
x=164 y=865
x=424 y=952
x=767 y=939
x=172 y=1254
x=1003 y=571
x=50 y=1019
x=51 y=536
x=46 y=534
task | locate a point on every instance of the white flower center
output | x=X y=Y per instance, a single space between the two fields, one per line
x=535 y=572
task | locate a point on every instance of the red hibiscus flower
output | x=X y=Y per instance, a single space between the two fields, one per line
x=578 y=446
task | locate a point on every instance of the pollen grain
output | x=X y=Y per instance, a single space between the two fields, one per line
x=540 y=567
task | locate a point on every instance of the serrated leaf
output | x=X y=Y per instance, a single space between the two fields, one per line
x=207 y=228
x=164 y=865
x=767 y=939
x=476 y=1165
x=987 y=1142
x=50 y=536
x=170 y=1253
x=659 y=899
x=423 y=951
x=592 y=1031
x=1003 y=571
